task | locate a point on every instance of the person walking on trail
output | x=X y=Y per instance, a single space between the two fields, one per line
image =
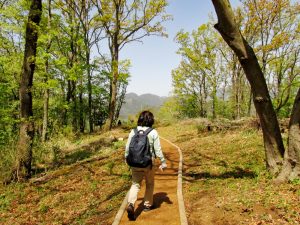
x=142 y=147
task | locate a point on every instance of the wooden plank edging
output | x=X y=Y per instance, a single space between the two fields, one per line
x=121 y=210
x=182 y=213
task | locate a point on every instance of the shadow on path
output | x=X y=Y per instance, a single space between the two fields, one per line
x=158 y=199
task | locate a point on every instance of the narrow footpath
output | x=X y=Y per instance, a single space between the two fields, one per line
x=166 y=209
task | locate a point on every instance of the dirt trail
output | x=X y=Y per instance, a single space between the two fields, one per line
x=165 y=194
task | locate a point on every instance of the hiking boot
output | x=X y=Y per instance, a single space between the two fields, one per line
x=130 y=211
x=147 y=208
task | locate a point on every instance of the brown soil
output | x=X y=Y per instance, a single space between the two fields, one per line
x=165 y=194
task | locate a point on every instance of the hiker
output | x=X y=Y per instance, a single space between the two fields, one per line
x=119 y=123
x=144 y=125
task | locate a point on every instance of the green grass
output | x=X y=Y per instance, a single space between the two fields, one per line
x=86 y=186
x=229 y=167
x=224 y=177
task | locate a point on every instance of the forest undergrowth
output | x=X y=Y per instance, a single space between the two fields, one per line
x=225 y=179
x=83 y=182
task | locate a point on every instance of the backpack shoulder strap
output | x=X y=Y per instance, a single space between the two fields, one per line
x=148 y=130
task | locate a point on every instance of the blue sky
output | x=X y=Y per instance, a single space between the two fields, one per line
x=153 y=60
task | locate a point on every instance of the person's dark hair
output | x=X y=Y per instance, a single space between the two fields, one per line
x=146 y=119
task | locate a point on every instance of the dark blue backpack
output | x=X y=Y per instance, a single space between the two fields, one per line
x=139 y=149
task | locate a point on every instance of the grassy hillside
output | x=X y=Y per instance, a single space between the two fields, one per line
x=86 y=186
x=225 y=181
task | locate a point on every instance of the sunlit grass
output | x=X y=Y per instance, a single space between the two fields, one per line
x=225 y=180
x=226 y=170
x=88 y=186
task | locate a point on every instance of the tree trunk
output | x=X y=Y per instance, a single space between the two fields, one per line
x=205 y=94
x=91 y=122
x=74 y=100
x=214 y=101
x=249 y=103
x=114 y=50
x=121 y=100
x=239 y=94
x=71 y=99
x=234 y=87
x=291 y=165
x=113 y=82
x=201 y=108
x=113 y=96
x=45 y=116
x=81 y=119
x=231 y=34
x=46 y=93
x=24 y=154
x=85 y=24
x=68 y=100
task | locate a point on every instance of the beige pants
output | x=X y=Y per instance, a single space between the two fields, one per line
x=137 y=176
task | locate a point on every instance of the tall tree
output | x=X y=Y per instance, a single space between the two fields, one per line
x=230 y=32
x=24 y=157
x=70 y=45
x=199 y=74
x=46 y=91
x=11 y=53
x=271 y=27
x=91 y=30
x=126 y=21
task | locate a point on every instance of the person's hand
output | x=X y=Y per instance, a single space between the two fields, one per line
x=163 y=166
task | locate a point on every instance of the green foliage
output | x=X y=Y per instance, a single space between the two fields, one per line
x=110 y=166
x=77 y=156
x=44 y=208
x=201 y=128
x=7 y=159
x=277 y=47
x=199 y=79
x=72 y=83
x=118 y=144
x=12 y=17
x=296 y=181
x=168 y=112
x=209 y=81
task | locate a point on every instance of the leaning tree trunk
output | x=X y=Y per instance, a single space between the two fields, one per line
x=291 y=165
x=230 y=32
x=24 y=154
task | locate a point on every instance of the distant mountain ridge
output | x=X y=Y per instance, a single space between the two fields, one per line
x=135 y=103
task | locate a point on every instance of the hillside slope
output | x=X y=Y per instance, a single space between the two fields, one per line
x=135 y=103
x=224 y=180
